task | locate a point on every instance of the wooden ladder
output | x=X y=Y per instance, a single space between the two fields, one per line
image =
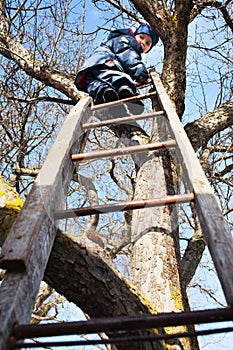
x=27 y=248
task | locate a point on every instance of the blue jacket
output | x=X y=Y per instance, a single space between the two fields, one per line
x=124 y=54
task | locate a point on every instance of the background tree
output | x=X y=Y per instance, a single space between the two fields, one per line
x=42 y=46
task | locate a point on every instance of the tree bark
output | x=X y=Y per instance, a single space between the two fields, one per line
x=10 y=205
x=155 y=255
x=203 y=129
x=85 y=275
x=173 y=30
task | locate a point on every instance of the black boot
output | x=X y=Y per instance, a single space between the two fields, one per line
x=136 y=107
x=110 y=95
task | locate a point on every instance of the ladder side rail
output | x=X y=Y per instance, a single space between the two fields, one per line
x=48 y=192
x=215 y=229
x=18 y=292
x=27 y=248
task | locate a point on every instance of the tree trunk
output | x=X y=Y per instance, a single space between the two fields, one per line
x=84 y=274
x=155 y=245
x=10 y=205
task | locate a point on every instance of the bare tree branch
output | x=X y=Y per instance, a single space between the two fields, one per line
x=202 y=4
x=14 y=50
x=202 y=130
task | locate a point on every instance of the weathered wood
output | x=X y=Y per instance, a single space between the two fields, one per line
x=34 y=229
x=47 y=195
x=18 y=291
x=121 y=151
x=215 y=229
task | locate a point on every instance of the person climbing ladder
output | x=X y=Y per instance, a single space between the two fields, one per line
x=115 y=68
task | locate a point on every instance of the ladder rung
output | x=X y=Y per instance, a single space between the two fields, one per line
x=122 y=120
x=123 y=206
x=124 y=100
x=148 y=83
x=122 y=151
x=122 y=323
